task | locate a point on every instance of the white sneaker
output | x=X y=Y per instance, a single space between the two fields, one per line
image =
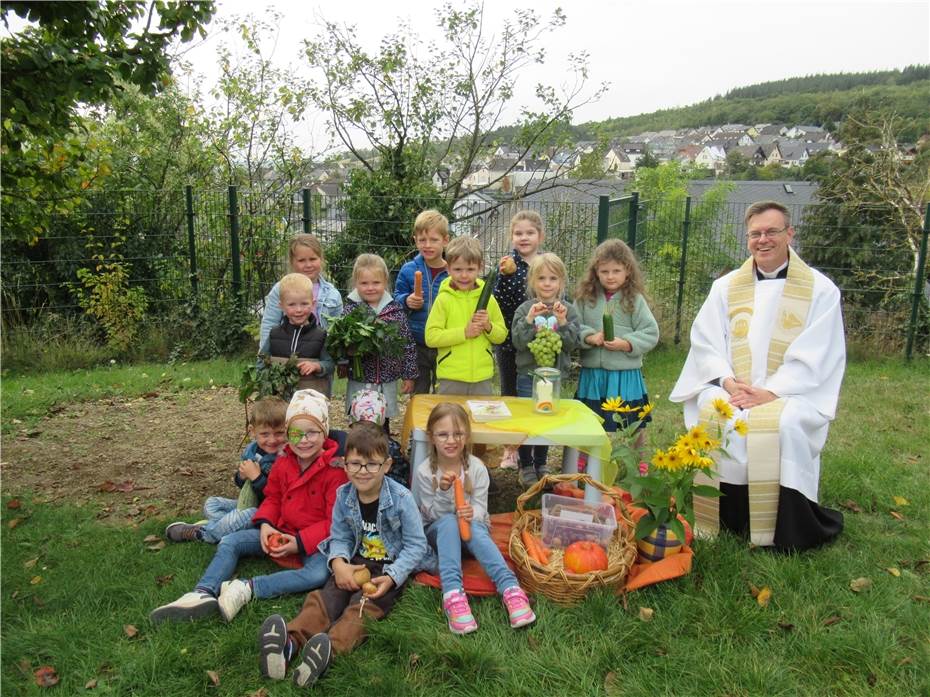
x=233 y=597
x=509 y=460
x=189 y=606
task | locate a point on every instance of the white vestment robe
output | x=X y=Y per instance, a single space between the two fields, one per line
x=809 y=378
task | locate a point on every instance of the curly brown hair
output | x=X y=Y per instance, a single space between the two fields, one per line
x=617 y=251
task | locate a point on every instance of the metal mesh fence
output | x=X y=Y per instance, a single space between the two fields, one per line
x=240 y=249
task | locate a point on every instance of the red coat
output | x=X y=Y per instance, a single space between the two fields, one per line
x=301 y=503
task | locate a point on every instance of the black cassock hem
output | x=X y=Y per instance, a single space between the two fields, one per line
x=801 y=523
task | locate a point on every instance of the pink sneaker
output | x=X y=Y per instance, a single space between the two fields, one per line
x=455 y=605
x=518 y=607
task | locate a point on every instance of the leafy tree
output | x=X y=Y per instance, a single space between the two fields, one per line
x=648 y=160
x=420 y=108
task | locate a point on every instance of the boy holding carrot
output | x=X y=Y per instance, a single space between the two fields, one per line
x=464 y=323
x=417 y=287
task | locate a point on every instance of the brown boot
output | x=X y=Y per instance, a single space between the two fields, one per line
x=312 y=619
x=349 y=630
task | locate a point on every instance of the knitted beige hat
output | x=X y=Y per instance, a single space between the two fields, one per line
x=311 y=404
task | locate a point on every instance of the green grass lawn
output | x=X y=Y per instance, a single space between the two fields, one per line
x=71 y=586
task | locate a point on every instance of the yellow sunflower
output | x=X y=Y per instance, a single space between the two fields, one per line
x=689 y=457
x=697 y=433
x=660 y=459
x=723 y=408
x=685 y=441
x=705 y=463
x=644 y=412
x=741 y=427
x=673 y=460
x=612 y=404
x=708 y=443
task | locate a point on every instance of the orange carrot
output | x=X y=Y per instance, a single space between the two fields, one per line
x=464 y=525
x=530 y=544
x=418 y=283
x=543 y=551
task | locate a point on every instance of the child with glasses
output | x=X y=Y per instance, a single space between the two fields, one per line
x=433 y=488
x=226 y=515
x=292 y=520
x=376 y=534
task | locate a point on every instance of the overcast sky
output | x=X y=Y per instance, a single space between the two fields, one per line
x=655 y=53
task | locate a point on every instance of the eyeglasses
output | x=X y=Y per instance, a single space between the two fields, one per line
x=354 y=466
x=295 y=435
x=457 y=435
x=756 y=236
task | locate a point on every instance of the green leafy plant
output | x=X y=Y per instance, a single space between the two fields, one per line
x=359 y=333
x=269 y=379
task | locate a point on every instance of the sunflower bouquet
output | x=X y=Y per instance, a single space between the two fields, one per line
x=665 y=486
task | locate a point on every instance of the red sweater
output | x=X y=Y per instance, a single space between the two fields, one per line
x=301 y=503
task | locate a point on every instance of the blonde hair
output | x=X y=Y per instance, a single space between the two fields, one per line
x=550 y=261
x=616 y=251
x=532 y=217
x=304 y=240
x=460 y=419
x=431 y=219
x=373 y=263
x=468 y=249
x=295 y=283
x=268 y=411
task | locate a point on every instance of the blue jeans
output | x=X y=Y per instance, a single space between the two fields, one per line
x=531 y=456
x=443 y=534
x=223 y=518
x=247 y=543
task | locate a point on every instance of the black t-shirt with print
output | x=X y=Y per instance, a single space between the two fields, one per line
x=372 y=545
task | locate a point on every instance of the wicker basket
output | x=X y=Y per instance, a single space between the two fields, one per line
x=553 y=581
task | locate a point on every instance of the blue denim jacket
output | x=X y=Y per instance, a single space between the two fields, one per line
x=399 y=523
x=328 y=304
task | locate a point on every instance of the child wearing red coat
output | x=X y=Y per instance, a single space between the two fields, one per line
x=292 y=520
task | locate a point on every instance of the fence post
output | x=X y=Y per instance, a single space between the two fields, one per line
x=305 y=195
x=631 y=224
x=685 y=229
x=191 y=247
x=234 y=246
x=603 y=217
x=918 y=284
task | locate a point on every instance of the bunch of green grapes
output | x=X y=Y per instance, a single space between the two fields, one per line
x=546 y=347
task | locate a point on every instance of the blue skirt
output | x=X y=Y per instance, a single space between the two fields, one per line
x=596 y=385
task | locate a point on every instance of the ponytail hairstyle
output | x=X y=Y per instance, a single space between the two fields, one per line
x=460 y=419
x=589 y=288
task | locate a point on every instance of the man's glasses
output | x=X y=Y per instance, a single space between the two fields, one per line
x=456 y=436
x=756 y=236
x=354 y=466
x=295 y=435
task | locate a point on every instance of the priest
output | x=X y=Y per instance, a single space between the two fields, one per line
x=768 y=345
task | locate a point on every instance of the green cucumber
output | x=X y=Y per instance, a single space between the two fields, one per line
x=486 y=291
x=608 y=327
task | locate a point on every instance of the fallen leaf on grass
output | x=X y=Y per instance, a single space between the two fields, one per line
x=110 y=487
x=14 y=503
x=13 y=523
x=35 y=580
x=610 y=680
x=214 y=677
x=896 y=515
x=857 y=585
x=90 y=684
x=921 y=598
x=905 y=661
x=130 y=631
x=900 y=501
x=149 y=539
x=765 y=594
x=894 y=571
x=646 y=614
x=832 y=619
x=164 y=580
x=29 y=563
x=784 y=624
x=157 y=547
x=413 y=660
x=45 y=676
x=851 y=505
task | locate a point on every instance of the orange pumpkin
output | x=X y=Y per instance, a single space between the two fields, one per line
x=584 y=556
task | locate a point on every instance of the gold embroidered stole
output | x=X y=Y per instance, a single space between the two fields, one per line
x=763 y=449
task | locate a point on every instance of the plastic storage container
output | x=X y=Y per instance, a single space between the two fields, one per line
x=566 y=520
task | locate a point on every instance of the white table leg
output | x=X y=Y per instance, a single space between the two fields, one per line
x=593 y=468
x=419 y=452
x=569 y=460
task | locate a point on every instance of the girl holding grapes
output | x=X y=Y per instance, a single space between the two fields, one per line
x=545 y=331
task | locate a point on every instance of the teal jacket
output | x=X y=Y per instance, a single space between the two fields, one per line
x=460 y=358
x=639 y=328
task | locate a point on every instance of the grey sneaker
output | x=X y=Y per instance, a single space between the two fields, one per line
x=183 y=532
x=189 y=606
x=272 y=640
x=233 y=597
x=314 y=660
x=528 y=477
